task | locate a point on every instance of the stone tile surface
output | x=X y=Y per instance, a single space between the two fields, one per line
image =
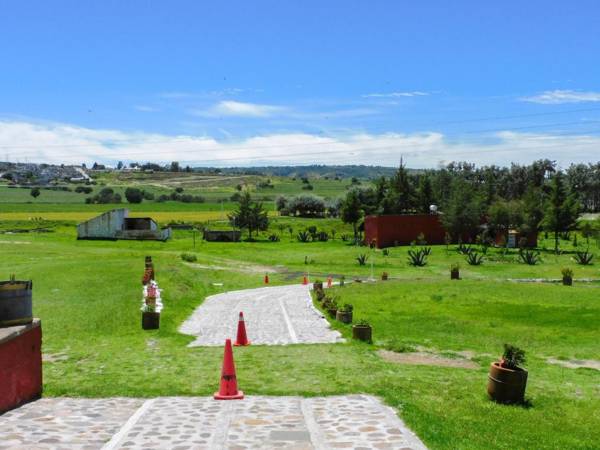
x=183 y=423
x=65 y=423
x=274 y=316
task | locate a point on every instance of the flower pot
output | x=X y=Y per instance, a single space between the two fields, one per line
x=344 y=316
x=150 y=320
x=454 y=275
x=567 y=281
x=362 y=332
x=332 y=311
x=318 y=286
x=150 y=301
x=506 y=385
x=15 y=303
x=384 y=277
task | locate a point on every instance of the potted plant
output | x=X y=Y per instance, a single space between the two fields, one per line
x=455 y=271
x=362 y=331
x=384 y=276
x=567 y=276
x=330 y=305
x=507 y=380
x=150 y=318
x=344 y=314
x=318 y=285
x=320 y=295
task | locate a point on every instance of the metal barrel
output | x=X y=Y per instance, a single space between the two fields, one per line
x=15 y=303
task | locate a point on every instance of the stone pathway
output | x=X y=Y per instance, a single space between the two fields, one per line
x=274 y=316
x=182 y=423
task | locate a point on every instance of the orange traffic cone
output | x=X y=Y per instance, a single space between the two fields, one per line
x=329 y=281
x=266 y=278
x=241 y=339
x=305 y=280
x=228 y=389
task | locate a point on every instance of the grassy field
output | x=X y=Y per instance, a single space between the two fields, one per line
x=88 y=296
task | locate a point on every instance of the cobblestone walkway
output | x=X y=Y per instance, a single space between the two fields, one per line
x=274 y=316
x=182 y=423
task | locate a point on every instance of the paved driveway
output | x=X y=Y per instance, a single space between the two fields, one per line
x=274 y=316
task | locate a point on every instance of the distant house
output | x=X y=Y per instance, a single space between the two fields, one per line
x=387 y=231
x=116 y=224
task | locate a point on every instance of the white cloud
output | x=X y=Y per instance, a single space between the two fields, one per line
x=233 y=108
x=396 y=94
x=22 y=141
x=146 y=108
x=558 y=97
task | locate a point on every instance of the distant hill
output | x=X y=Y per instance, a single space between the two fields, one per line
x=358 y=171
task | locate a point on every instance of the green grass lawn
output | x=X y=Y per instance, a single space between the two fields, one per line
x=88 y=294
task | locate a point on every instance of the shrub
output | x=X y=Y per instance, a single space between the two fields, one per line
x=83 y=190
x=584 y=258
x=303 y=236
x=362 y=259
x=307 y=187
x=189 y=257
x=512 y=357
x=529 y=257
x=362 y=323
x=417 y=258
x=474 y=259
x=274 y=237
x=345 y=237
x=385 y=252
x=322 y=236
x=134 y=195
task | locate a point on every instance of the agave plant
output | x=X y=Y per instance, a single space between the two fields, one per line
x=303 y=236
x=417 y=258
x=474 y=259
x=584 y=258
x=512 y=357
x=426 y=250
x=464 y=249
x=529 y=257
x=362 y=259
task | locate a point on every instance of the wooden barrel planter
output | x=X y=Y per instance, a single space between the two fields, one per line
x=506 y=385
x=567 y=281
x=362 y=332
x=150 y=320
x=344 y=316
x=15 y=303
x=332 y=311
x=455 y=274
x=318 y=286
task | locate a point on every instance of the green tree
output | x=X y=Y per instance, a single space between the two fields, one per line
x=425 y=195
x=462 y=213
x=35 y=192
x=134 y=195
x=249 y=215
x=561 y=209
x=351 y=210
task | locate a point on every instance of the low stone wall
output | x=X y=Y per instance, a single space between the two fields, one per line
x=20 y=364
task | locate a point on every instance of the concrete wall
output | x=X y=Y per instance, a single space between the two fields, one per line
x=104 y=226
x=20 y=364
x=387 y=231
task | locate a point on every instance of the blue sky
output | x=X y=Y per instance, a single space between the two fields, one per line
x=227 y=83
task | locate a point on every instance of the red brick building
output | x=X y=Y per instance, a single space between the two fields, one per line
x=387 y=231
